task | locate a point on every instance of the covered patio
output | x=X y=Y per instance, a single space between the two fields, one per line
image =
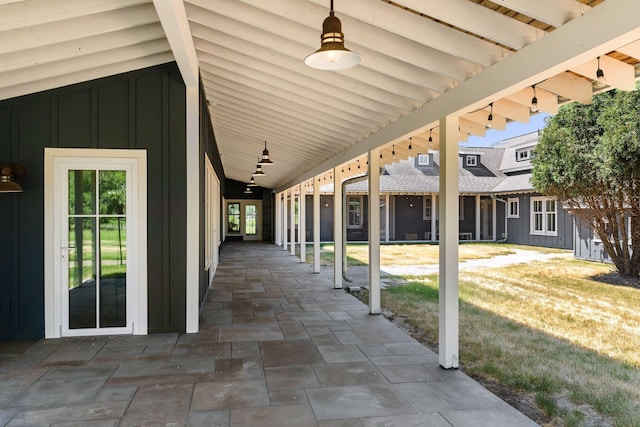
x=196 y=89
x=278 y=346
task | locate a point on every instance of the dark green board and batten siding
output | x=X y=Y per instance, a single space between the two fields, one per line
x=144 y=109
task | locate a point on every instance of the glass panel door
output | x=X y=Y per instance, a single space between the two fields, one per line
x=233 y=218
x=244 y=219
x=97 y=249
x=250 y=217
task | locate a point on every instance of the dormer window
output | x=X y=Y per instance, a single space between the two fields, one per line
x=471 y=161
x=423 y=160
x=523 y=154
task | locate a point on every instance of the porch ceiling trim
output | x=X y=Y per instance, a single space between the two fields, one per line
x=617 y=24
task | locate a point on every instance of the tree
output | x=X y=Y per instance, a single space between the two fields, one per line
x=588 y=157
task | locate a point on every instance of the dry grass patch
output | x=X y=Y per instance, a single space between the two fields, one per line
x=547 y=329
x=417 y=254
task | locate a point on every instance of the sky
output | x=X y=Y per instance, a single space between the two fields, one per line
x=513 y=129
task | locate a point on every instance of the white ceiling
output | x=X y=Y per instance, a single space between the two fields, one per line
x=420 y=61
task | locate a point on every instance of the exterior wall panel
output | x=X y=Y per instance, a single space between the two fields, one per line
x=519 y=228
x=143 y=109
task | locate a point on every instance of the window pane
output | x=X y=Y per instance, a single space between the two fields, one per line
x=551 y=222
x=354 y=211
x=538 y=222
x=551 y=206
x=427 y=207
x=82 y=273
x=82 y=192
x=537 y=206
x=233 y=218
x=513 y=208
x=250 y=220
x=113 y=192
x=113 y=272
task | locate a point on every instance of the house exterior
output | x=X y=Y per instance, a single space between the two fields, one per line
x=140 y=112
x=497 y=200
x=112 y=106
x=588 y=244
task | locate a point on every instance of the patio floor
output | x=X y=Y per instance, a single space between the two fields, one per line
x=278 y=346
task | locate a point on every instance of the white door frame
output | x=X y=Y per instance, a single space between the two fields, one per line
x=243 y=204
x=54 y=161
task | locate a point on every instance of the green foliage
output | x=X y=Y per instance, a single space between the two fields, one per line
x=588 y=156
x=113 y=192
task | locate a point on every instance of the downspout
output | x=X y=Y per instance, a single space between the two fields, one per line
x=344 y=223
x=506 y=206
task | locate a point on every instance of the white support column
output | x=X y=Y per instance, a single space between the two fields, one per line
x=477 y=217
x=292 y=246
x=193 y=210
x=316 y=224
x=434 y=223
x=449 y=227
x=337 y=228
x=302 y=221
x=285 y=226
x=387 y=232
x=278 y=201
x=494 y=216
x=374 y=232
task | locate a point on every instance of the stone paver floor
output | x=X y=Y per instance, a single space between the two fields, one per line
x=278 y=346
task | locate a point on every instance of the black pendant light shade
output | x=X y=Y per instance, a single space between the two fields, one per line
x=332 y=54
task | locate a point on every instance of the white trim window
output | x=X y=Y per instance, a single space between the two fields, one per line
x=354 y=212
x=471 y=160
x=423 y=160
x=544 y=218
x=523 y=155
x=426 y=207
x=513 y=207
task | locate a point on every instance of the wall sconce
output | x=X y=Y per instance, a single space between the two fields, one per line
x=9 y=172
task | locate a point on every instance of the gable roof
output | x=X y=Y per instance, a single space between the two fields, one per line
x=490 y=176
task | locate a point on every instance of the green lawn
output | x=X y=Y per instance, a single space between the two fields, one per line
x=552 y=331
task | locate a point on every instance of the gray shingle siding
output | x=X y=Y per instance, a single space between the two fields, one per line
x=497 y=174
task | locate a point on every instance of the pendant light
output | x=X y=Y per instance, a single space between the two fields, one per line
x=265 y=160
x=534 y=101
x=600 y=80
x=332 y=54
x=248 y=191
x=490 y=117
x=258 y=171
x=252 y=182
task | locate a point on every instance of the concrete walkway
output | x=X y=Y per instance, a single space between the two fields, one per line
x=277 y=347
